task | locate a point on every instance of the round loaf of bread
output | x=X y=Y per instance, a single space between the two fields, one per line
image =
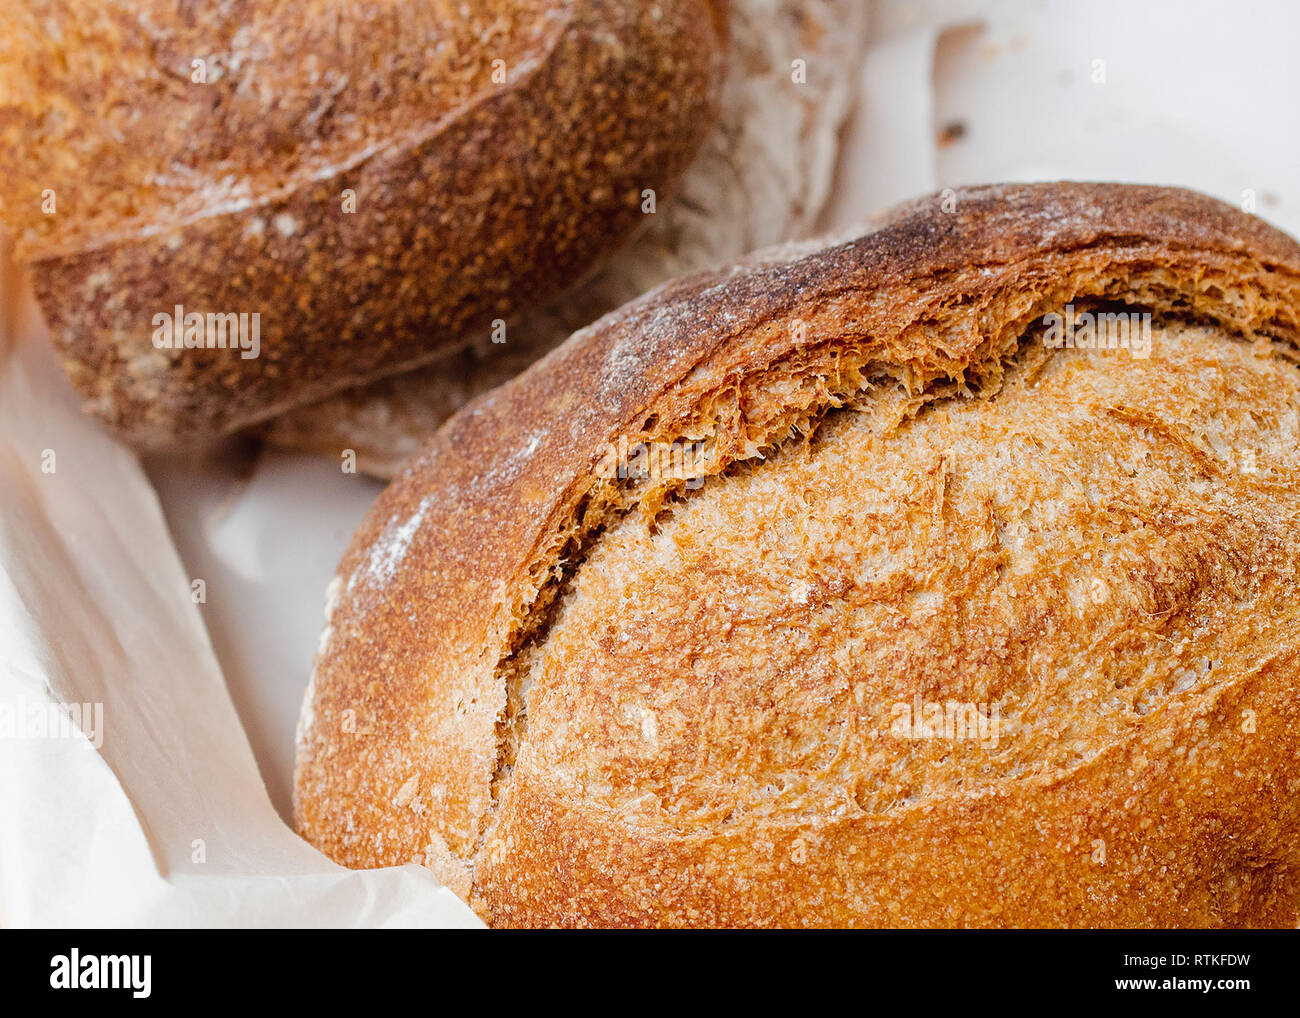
x=377 y=183
x=943 y=575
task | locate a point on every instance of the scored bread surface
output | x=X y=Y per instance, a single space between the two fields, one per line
x=586 y=701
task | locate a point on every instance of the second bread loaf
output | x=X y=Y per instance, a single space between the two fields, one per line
x=376 y=182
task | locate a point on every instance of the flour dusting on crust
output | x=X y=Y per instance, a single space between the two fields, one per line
x=387 y=553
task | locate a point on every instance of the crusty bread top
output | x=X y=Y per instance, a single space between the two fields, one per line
x=418 y=707
x=1027 y=548
x=104 y=108
x=1091 y=569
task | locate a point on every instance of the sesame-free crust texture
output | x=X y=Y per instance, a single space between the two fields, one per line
x=378 y=181
x=591 y=701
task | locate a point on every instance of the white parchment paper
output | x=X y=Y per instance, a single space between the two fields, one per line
x=95 y=604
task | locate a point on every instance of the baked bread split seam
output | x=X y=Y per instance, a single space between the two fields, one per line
x=417 y=726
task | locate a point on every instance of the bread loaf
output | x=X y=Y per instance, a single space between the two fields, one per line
x=377 y=183
x=974 y=604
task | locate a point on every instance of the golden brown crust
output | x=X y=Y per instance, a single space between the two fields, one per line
x=416 y=739
x=1211 y=844
x=473 y=199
